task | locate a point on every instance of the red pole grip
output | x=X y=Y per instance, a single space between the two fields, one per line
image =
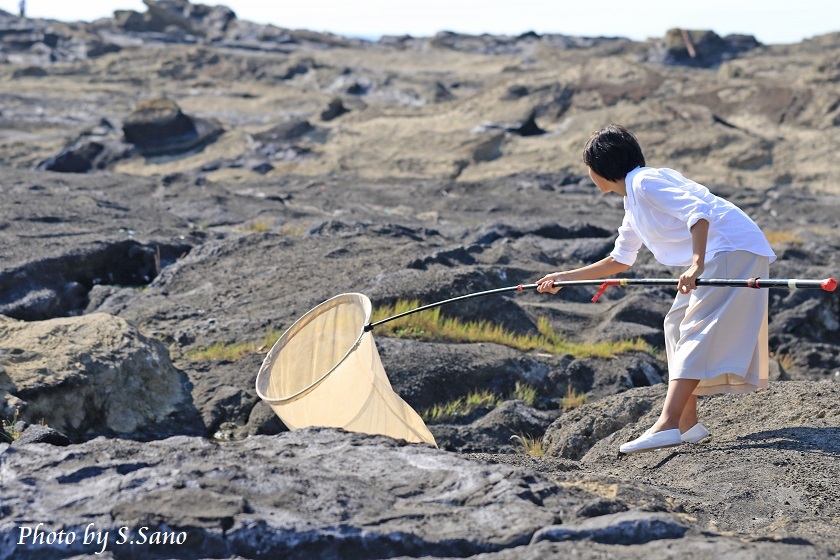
x=829 y=284
x=603 y=288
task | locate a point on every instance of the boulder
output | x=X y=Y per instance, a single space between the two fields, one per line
x=157 y=126
x=92 y=375
x=702 y=48
x=600 y=377
x=196 y=19
x=489 y=147
x=334 y=109
x=574 y=433
x=281 y=142
x=441 y=93
x=29 y=72
x=40 y=433
x=86 y=154
x=129 y=20
x=284 y=132
x=528 y=126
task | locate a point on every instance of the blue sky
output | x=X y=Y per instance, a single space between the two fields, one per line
x=771 y=21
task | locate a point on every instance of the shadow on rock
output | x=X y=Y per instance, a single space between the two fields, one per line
x=826 y=440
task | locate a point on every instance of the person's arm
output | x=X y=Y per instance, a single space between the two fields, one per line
x=605 y=267
x=699 y=236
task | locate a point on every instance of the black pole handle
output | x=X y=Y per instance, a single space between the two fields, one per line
x=827 y=284
x=370 y=326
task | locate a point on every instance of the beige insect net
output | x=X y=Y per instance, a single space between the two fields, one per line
x=325 y=371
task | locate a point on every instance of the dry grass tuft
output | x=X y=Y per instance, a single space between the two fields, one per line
x=572 y=399
x=233 y=351
x=260 y=225
x=429 y=325
x=786 y=361
x=777 y=237
x=289 y=229
x=531 y=446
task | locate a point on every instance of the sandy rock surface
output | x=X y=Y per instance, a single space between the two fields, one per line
x=450 y=106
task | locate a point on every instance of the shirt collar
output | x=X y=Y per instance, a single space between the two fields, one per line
x=628 y=183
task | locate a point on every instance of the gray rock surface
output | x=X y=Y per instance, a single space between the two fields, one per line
x=306 y=494
x=495 y=431
x=62 y=235
x=769 y=467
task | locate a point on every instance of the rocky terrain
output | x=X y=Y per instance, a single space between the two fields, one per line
x=179 y=180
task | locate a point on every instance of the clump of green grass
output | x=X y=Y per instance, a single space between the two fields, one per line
x=572 y=399
x=429 y=325
x=460 y=407
x=7 y=428
x=233 y=351
x=525 y=392
x=475 y=400
x=531 y=446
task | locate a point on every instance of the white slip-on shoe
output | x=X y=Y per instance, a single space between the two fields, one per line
x=648 y=441
x=695 y=433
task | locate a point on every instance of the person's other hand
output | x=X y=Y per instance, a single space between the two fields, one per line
x=688 y=279
x=546 y=283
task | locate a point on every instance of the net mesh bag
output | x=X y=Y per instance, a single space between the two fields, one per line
x=325 y=371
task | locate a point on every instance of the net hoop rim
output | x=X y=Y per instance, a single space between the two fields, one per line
x=281 y=342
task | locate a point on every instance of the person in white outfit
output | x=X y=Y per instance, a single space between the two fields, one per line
x=715 y=337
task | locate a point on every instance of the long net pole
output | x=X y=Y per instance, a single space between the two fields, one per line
x=827 y=284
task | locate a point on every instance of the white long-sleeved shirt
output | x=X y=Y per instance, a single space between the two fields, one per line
x=660 y=208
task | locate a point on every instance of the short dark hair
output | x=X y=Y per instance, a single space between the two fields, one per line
x=613 y=152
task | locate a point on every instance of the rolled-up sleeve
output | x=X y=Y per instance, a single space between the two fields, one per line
x=677 y=202
x=627 y=244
